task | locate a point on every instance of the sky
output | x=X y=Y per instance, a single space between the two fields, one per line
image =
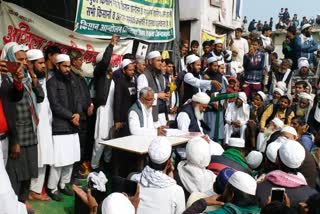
x=264 y=9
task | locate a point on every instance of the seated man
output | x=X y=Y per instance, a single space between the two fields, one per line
x=237 y=116
x=233 y=157
x=290 y=157
x=304 y=105
x=140 y=115
x=190 y=119
x=159 y=192
x=281 y=110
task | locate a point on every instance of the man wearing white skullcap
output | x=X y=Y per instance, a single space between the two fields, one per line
x=304 y=105
x=237 y=116
x=23 y=164
x=44 y=130
x=289 y=132
x=281 y=110
x=104 y=95
x=66 y=107
x=291 y=155
x=307 y=44
x=276 y=94
x=192 y=172
x=190 y=117
x=254 y=159
x=220 y=53
x=193 y=81
x=159 y=192
x=117 y=203
x=153 y=78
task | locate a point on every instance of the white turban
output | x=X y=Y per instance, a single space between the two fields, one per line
x=304 y=95
x=160 y=150
x=282 y=85
x=262 y=95
x=191 y=59
x=125 y=63
x=201 y=97
x=117 y=203
x=62 y=58
x=272 y=151
x=303 y=62
x=305 y=26
x=5 y=49
x=17 y=48
x=236 y=142
x=153 y=54
x=198 y=152
x=243 y=97
x=220 y=62
x=254 y=159
x=243 y=182
x=218 y=41
x=290 y=130
x=212 y=59
x=280 y=91
x=292 y=154
x=34 y=54
x=278 y=123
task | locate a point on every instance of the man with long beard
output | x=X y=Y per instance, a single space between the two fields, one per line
x=237 y=116
x=307 y=44
x=304 y=105
x=283 y=74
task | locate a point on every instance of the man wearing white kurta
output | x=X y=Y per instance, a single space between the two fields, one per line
x=237 y=116
x=190 y=119
x=153 y=78
x=66 y=107
x=44 y=130
x=140 y=115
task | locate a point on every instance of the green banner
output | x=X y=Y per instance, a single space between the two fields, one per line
x=149 y=20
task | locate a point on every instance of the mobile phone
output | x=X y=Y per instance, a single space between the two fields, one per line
x=127 y=186
x=13 y=66
x=277 y=194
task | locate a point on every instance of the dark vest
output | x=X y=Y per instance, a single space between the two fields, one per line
x=151 y=77
x=136 y=107
x=189 y=90
x=193 y=127
x=274 y=112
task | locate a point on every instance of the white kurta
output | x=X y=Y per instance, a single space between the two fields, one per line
x=44 y=130
x=134 y=123
x=198 y=83
x=66 y=149
x=184 y=121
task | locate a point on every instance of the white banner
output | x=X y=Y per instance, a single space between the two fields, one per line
x=24 y=27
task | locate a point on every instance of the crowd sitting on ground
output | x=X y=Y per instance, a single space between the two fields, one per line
x=258 y=120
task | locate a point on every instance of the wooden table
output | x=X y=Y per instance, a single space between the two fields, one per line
x=139 y=144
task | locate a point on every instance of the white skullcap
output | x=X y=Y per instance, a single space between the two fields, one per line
x=292 y=154
x=278 y=123
x=62 y=58
x=282 y=85
x=17 y=48
x=99 y=57
x=254 y=159
x=236 y=142
x=262 y=95
x=153 y=54
x=198 y=152
x=243 y=182
x=220 y=62
x=34 y=54
x=281 y=92
x=305 y=26
x=125 y=63
x=25 y=47
x=304 y=95
x=243 y=97
x=290 y=130
x=272 y=151
x=201 y=97
x=5 y=49
x=212 y=59
x=218 y=41
x=159 y=150
x=117 y=203
x=303 y=62
x=191 y=59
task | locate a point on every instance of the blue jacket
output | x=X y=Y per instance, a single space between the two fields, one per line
x=307 y=49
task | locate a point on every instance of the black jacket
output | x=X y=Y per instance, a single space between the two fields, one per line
x=8 y=95
x=64 y=101
x=84 y=95
x=101 y=82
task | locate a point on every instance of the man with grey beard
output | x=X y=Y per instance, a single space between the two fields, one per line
x=190 y=117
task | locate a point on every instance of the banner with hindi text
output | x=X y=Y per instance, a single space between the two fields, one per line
x=148 y=20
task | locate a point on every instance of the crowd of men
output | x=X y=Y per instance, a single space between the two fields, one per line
x=258 y=119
